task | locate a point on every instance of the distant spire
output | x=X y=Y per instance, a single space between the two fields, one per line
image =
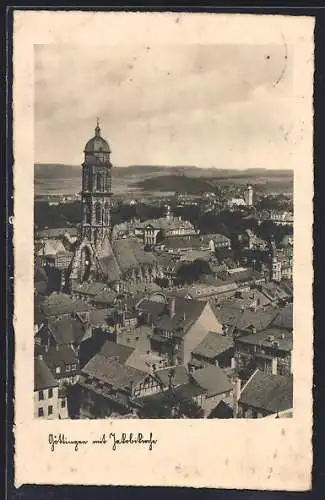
x=97 y=129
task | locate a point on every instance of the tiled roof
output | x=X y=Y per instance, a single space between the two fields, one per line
x=64 y=356
x=99 y=317
x=212 y=345
x=229 y=314
x=285 y=317
x=187 y=311
x=282 y=336
x=222 y=410
x=151 y=307
x=104 y=297
x=137 y=338
x=67 y=330
x=43 y=378
x=113 y=373
x=189 y=391
x=111 y=350
x=110 y=267
x=180 y=375
x=213 y=379
x=60 y=303
x=268 y=392
x=130 y=254
x=91 y=289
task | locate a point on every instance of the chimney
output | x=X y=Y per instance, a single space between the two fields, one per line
x=236 y=395
x=172 y=307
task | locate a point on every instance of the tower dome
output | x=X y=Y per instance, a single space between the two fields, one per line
x=97 y=144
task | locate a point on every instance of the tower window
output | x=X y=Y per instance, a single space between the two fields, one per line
x=99 y=182
x=98 y=213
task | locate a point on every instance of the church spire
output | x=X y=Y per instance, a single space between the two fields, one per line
x=97 y=129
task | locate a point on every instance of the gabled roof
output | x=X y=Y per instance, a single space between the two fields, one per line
x=104 y=297
x=110 y=267
x=64 y=356
x=285 y=318
x=268 y=392
x=67 y=330
x=111 y=350
x=151 y=307
x=180 y=375
x=213 y=379
x=263 y=338
x=222 y=410
x=99 y=317
x=187 y=311
x=129 y=253
x=43 y=378
x=114 y=373
x=229 y=314
x=60 y=303
x=212 y=345
x=92 y=288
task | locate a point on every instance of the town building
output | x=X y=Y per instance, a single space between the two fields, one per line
x=181 y=326
x=213 y=350
x=269 y=351
x=47 y=403
x=266 y=395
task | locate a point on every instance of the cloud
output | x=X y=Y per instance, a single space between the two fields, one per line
x=200 y=104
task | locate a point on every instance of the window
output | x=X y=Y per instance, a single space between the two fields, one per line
x=58 y=369
x=40 y=412
x=67 y=367
x=50 y=410
x=98 y=213
x=73 y=367
x=40 y=395
x=50 y=393
x=63 y=403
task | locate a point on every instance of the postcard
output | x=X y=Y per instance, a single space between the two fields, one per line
x=163 y=212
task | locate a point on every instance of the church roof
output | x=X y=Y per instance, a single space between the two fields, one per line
x=97 y=144
x=129 y=253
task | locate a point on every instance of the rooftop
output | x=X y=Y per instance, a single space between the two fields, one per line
x=43 y=378
x=212 y=345
x=64 y=356
x=113 y=373
x=179 y=375
x=268 y=392
x=60 y=303
x=67 y=330
x=285 y=318
x=129 y=253
x=268 y=336
x=213 y=379
x=111 y=350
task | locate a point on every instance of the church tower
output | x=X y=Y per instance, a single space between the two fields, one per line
x=96 y=189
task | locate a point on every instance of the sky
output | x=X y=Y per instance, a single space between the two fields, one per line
x=223 y=106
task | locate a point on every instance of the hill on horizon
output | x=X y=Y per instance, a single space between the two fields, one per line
x=191 y=179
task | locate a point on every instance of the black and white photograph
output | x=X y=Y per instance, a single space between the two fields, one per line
x=163 y=232
x=163 y=217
